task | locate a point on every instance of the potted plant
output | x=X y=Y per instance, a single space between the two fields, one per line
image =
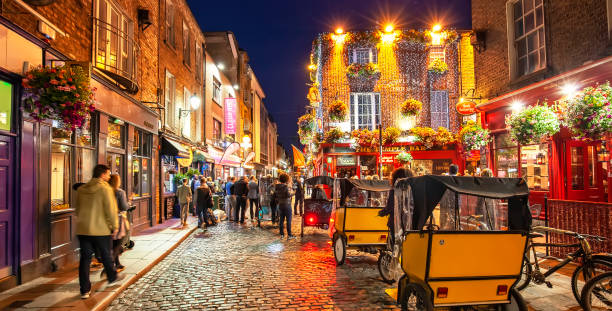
x=390 y=135
x=404 y=158
x=333 y=135
x=363 y=137
x=444 y=137
x=533 y=124
x=411 y=107
x=337 y=111
x=60 y=93
x=306 y=123
x=438 y=66
x=365 y=71
x=589 y=114
x=425 y=135
x=473 y=136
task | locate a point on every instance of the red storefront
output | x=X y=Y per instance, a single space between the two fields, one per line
x=340 y=160
x=560 y=168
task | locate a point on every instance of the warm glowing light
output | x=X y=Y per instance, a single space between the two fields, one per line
x=312 y=67
x=339 y=38
x=436 y=28
x=235 y=86
x=220 y=66
x=436 y=38
x=569 y=89
x=461 y=99
x=388 y=37
x=517 y=105
x=339 y=30
x=388 y=28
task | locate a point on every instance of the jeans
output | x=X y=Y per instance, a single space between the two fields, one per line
x=230 y=200
x=184 y=212
x=251 y=203
x=240 y=208
x=285 y=213
x=273 y=211
x=299 y=202
x=88 y=245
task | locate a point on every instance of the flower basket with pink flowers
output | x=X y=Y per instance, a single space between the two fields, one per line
x=533 y=124
x=589 y=113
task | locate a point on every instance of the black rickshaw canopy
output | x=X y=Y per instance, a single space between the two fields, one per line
x=320 y=180
x=427 y=191
x=347 y=184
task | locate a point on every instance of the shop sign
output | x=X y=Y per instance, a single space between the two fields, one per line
x=387 y=159
x=230 y=115
x=393 y=148
x=466 y=107
x=345 y=161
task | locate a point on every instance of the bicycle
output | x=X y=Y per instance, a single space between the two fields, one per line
x=597 y=293
x=591 y=264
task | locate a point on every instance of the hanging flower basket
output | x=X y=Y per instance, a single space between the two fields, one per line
x=473 y=136
x=411 y=107
x=337 y=111
x=444 y=137
x=363 y=137
x=306 y=123
x=438 y=66
x=61 y=93
x=313 y=96
x=533 y=125
x=333 y=135
x=390 y=135
x=404 y=158
x=366 y=71
x=589 y=113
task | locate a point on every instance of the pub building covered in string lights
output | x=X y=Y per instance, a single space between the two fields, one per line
x=364 y=80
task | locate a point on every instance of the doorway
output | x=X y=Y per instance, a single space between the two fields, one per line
x=116 y=162
x=584 y=173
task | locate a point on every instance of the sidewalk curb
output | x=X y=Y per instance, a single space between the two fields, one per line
x=106 y=301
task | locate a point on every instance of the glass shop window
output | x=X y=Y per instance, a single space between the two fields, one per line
x=534 y=166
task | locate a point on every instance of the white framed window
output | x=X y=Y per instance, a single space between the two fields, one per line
x=186 y=45
x=170 y=28
x=526 y=36
x=114 y=33
x=186 y=117
x=170 y=96
x=216 y=91
x=438 y=102
x=363 y=55
x=436 y=52
x=364 y=110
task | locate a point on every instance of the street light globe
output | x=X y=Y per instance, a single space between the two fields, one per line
x=389 y=28
x=194 y=101
x=436 y=27
x=246 y=139
x=339 y=30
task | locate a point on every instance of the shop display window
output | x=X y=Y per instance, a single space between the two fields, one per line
x=141 y=157
x=61 y=162
x=367 y=164
x=115 y=135
x=534 y=166
x=505 y=156
x=577 y=168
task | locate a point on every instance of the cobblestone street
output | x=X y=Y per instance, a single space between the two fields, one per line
x=234 y=267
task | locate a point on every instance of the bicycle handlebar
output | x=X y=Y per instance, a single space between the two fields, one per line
x=567 y=232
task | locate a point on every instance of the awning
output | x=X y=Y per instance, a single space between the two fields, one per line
x=173 y=148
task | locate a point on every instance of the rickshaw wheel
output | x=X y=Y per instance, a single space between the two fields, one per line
x=339 y=250
x=384 y=267
x=525 y=275
x=416 y=298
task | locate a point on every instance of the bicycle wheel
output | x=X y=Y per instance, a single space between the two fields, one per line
x=525 y=275
x=597 y=293
x=587 y=271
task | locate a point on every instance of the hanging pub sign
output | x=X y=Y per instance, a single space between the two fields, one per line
x=229 y=110
x=466 y=107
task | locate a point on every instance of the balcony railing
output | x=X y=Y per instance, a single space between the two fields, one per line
x=116 y=53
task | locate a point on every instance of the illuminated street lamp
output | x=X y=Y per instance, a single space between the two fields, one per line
x=194 y=102
x=388 y=28
x=339 y=31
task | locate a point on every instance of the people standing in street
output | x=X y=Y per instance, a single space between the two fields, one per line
x=453 y=170
x=282 y=195
x=241 y=191
x=229 y=198
x=122 y=205
x=211 y=185
x=298 y=206
x=273 y=202
x=195 y=183
x=203 y=204
x=487 y=172
x=184 y=195
x=253 y=197
x=96 y=212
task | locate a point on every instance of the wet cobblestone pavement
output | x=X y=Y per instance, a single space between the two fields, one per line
x=234 y=267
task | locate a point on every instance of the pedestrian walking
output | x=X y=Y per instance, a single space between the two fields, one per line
x=298 y=206
x=184 y=195
x=122 y=206
x=96 y=212
x=241 y=191
x=282 y=195
x=204 y=204
x=229 y=198
x=253 y=197
x=211 y=185
x=195 y=183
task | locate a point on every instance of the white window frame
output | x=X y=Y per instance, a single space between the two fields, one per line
x=372 y=55
x=186 y=118
x=539 y=31
x=170 y=100
x=216 y=91
x=170 y=24
x=361 y=101
x=439 y=109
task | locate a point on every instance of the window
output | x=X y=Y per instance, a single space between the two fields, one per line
x=6 y=105
x=170 y=29
x=115 y=136
x=186 y=118
x=534 y=166
x=216 y=91
x=73 y=158
x=170 y=95
x=141 y=160
x=436 y=52
x=216 y=129
x=439 y=109
x=113 y=35
x=526 y=24
x=186 y=45
x=364 y=110
x=505 y=156
x=363 y=55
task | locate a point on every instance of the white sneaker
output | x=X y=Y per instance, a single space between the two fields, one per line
x=117 y=282
x=86 y=295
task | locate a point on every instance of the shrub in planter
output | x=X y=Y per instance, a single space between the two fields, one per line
x=425 y=135
x=390 y=135
x=367 y=71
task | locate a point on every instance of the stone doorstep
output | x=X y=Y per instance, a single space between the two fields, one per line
x=61 y=289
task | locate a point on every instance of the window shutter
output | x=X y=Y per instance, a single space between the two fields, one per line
x=439 y=109
x=352 y=111
x=377 y=111
x=374 y=55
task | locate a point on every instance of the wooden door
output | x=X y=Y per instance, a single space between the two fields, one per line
x=7 y=145
x=584 y=173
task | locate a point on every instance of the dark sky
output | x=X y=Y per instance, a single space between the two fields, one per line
x=278 y=35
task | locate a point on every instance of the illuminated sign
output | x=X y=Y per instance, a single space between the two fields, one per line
x=229 y=110
x=345 y=161
x=466 y=107
x=387 y=159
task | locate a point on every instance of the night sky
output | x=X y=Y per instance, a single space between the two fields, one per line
x=277 y=34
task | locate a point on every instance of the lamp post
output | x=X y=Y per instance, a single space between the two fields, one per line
x=194 y=102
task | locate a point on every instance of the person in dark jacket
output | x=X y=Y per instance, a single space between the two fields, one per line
x=241 y=190
x=389 y=209
x=298 y=206
x=203 y=203
x=282 y=195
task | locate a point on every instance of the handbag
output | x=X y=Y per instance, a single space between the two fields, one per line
x=123 y=226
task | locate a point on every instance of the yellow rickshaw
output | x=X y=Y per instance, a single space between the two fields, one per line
x=355 y=223
x=462 y=241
